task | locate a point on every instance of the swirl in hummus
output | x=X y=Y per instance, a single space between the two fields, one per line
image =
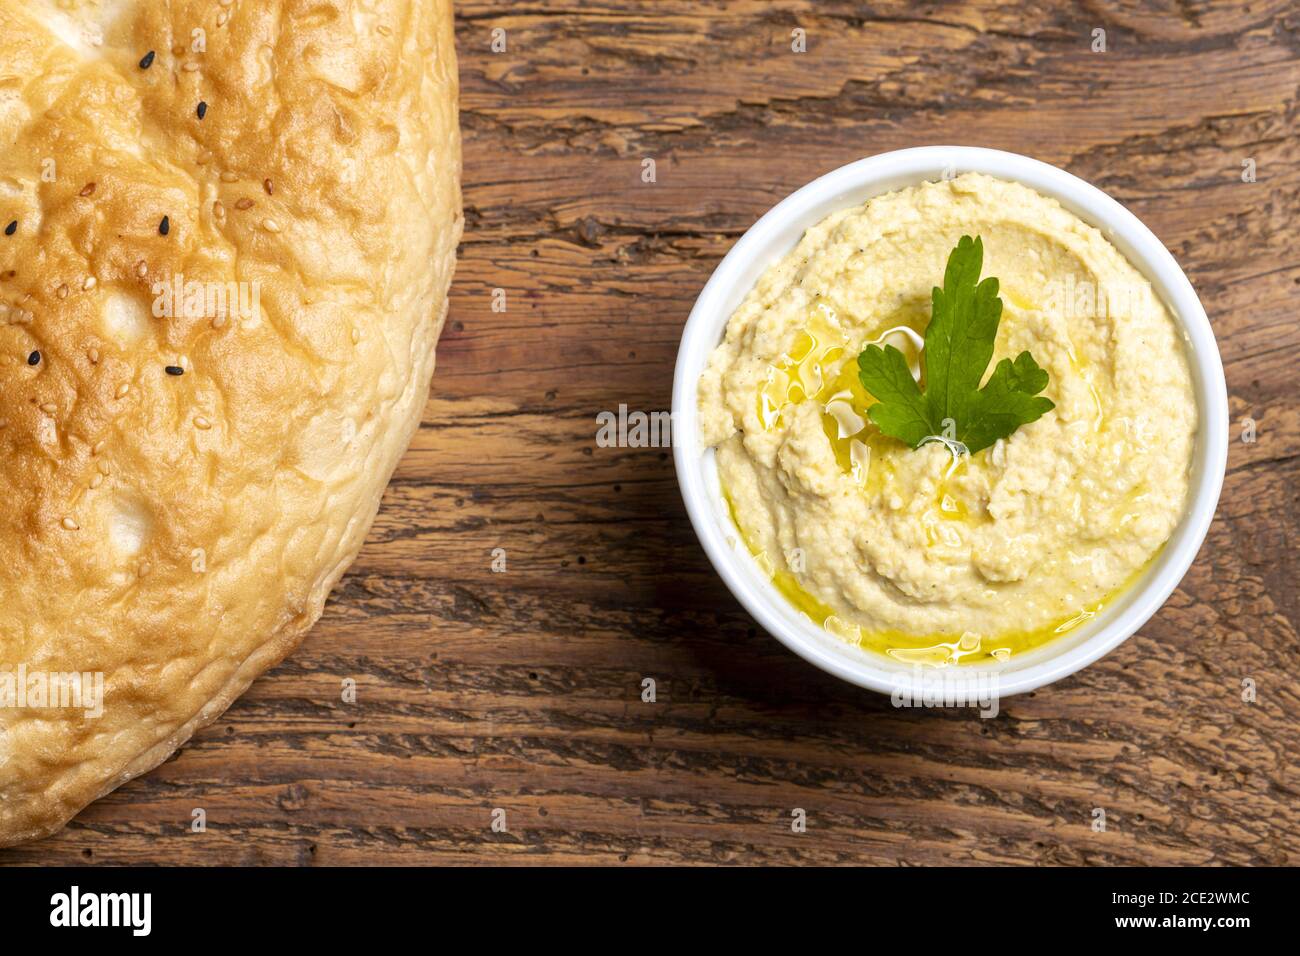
x=922 y=554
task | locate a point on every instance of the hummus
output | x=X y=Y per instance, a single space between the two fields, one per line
x=929 y=555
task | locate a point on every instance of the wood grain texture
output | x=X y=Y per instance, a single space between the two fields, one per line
x=521 y=690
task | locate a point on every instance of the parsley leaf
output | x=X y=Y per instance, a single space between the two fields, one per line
x=958 y=347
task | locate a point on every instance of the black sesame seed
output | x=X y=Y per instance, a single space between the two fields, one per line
x=146 y=61
x=165 y=226
x=34 y=358
x=11 y=228
x=174 y=370
x=203 y=109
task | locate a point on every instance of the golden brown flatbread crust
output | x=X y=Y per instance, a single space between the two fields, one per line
x=179 y=533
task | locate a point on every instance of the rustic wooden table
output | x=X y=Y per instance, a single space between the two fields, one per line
x=521 y=691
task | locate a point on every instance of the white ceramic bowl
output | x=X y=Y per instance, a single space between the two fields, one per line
x=775 y=235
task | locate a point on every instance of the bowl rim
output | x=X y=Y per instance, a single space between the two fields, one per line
x=775 y=233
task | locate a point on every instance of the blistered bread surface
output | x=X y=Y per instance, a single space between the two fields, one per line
x=179 y=492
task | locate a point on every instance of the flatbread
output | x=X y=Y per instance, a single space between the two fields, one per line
x=185 y=475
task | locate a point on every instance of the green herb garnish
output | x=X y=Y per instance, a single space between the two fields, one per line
x=958 y=347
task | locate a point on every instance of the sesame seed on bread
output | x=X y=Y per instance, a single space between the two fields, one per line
x=227 y=230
